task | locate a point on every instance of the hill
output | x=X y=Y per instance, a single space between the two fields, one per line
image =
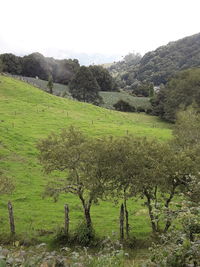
x=109 y=98
x=28 y=114
x=157 y=66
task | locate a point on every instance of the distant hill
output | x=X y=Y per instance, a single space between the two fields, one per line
x=157 y=66
x=109 y=98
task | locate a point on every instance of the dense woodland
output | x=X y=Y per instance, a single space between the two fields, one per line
x=159 y=65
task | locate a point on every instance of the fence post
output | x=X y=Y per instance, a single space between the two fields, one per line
x=66 y=219
x=121 y=221
x=11 y=218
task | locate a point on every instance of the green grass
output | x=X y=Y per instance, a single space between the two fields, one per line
x=110 y=98
x=58 y=89
x=27 y=114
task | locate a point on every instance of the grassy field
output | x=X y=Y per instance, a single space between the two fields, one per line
x=109 y=98
x=28 y=114
x=58 y=89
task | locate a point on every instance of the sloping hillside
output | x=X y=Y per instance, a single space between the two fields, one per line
x=157 y=66
x=27 y=114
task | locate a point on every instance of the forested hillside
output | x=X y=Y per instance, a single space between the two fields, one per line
x=157 y=66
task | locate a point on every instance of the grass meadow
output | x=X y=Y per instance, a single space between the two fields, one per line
x=109 y=98
x=28 y=114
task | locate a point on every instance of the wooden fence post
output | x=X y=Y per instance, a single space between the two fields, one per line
x=66 y=219
x=121 y=221
x=11 y=218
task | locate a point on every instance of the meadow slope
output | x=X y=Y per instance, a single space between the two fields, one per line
x=27 y=114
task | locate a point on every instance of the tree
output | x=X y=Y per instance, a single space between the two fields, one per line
x=122 y=105
x=104 y=79
x=179 y=93
x=187 y=128
x=81 y=160
x=84 y=87
x=1 y=66
x=152 y=170
x=50 y=84
x=34 y=65
x=11 y=63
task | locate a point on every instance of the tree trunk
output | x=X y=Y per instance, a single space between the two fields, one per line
x=87 y=217
x=168 y=222
x=66 y=219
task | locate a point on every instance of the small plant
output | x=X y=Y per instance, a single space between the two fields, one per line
x=84 y=235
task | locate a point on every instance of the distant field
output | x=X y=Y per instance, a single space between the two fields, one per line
x=109 y=98
x=58 y=89
x=28 y=114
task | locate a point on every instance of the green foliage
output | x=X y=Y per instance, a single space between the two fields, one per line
x=110 y=98
x=159 y=65
x=1 y=65
x=50 y=84
x=36 y=64
x=143 y=89
x=84 y=235
x=29 y=114
x=180 y=92
x=103 y=78
x=11 y=64
x=122 y=105
x=84 y=86
x=187 y=128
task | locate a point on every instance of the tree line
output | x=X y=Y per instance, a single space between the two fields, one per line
x=125 y=167
x=181 y=91
x=85 y=82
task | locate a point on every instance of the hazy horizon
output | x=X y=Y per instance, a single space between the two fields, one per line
x=94 y=31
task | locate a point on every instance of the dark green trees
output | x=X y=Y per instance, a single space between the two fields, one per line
x=50 y=84
x=84 y=86
x=180 y=92
x=11 y=64
x=122 y=105
x=104 y=79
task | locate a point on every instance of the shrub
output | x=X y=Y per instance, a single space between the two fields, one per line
x=83 y=235
x=122 y=105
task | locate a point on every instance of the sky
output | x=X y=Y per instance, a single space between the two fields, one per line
x=94 y=28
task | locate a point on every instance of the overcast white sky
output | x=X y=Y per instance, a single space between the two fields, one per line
x=54 y=27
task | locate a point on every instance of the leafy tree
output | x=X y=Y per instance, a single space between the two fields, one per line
x=63 y=71
x=11 y=63
x=82 y=161
x=104 y=79
x=35 y=65
x=180 y=92
x=50 y=84
x=84 y=87
x=187 y=128
x=1 y=66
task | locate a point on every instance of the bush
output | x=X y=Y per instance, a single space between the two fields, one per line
x=122 y=105
x=140 y=109
x=84 y=235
